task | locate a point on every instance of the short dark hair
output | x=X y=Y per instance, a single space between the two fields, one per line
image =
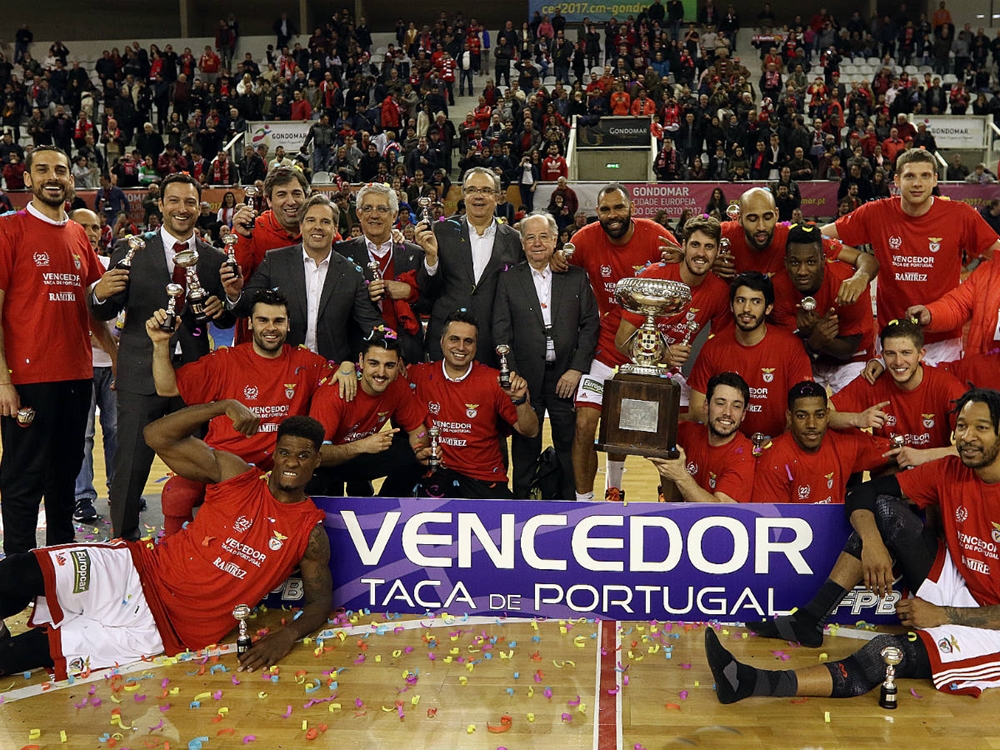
x=902 y=329
x=179 y=177
x=614 y=187
x=805 y=389
x=986 y=396
x=29 y=157
x=268 y=297
x=385 y=339
x=303 y=427
x=755 y=280
x=461 y=315
x=283 y=175
x=804 y=234
x=733 y=381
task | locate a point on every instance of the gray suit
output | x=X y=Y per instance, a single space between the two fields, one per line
x=343 y=302
x=138 y=404
x=517 y=321
x=454 y=285
x=405 y=257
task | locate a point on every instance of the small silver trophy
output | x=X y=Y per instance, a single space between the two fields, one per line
x=135 y=244
x=691 y=329
x=425 y=204
x=174 y=294
x=733 y=211
x=251 y=197
x=241 y=612
x=758 y=439
x=230 y=241
x=568 y=249
x=434 y=460
x=808 y=304
x=892 y=656
x=25 y=416
x=898 y=441
x=654 y=298
x=196 y=294
x=502 y=351
x=375 y=269
x=724 y=244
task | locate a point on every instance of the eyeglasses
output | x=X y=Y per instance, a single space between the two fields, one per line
x=479 y=191
x=369 y=209
x=530 y=239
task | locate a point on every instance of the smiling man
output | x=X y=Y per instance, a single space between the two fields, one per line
x=139 y=292
x=956 y=610
x=328 y=292
x=271 y=378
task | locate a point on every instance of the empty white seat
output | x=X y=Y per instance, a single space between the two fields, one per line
x=321 y=178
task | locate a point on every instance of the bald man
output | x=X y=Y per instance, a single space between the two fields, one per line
x=103 y=395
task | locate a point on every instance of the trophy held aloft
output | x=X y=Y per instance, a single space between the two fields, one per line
x=642 y=401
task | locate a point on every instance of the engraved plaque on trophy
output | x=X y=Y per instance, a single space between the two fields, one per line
x=642 y=401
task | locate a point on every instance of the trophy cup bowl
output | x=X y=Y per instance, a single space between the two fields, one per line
x=654 y=298
x=230 y=241
x=733 y=212
x=196 y=294
x=568 y=249
x=898 y=441
x=135 y=244
x=758 y=439
x=808 y=304
x=25 y=416
x=425 y=204
x=174 y=294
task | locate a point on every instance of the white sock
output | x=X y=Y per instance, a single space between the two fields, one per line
x=585 y=496
x=614 y=476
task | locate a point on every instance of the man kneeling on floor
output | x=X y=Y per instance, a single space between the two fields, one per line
x=97 y=605
x=956 y=610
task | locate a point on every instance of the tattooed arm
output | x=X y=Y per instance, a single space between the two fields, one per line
x=917 y=613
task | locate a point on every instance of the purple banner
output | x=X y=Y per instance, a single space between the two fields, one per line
x=633 y=561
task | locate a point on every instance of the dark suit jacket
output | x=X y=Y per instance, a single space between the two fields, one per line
x=517 y=320
x=453 y=286
x=147 y=293
x=405 y=257
x=343 y=302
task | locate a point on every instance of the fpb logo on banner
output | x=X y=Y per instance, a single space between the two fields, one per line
x=562 y=559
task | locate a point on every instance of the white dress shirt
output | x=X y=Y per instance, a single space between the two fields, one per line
x=482 y=248
x=315 y=278
x=543 y=288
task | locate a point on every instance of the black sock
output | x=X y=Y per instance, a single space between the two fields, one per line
x=735 y=681
x=804 y=626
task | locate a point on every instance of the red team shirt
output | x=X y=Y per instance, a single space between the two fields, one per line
x=606 y=265
x=788 y=474
x=271 y=388
x=853 y=319
x=982 y=370
x=45 y=270
x=970 y=515
x=726 y=468
x=772 y=260
x=770 y=368
x=922 y=416
x=709 y=303
x=349 y=421
x=240 y=546
x=920 y=258
x=471 y=413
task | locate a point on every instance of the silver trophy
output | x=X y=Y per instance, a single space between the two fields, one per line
x=502 y=351
x=691 y=329
x=251 y=196
x=568 y=249
x=758 y=439
x=733 y=211
x=425 y=205
x=892 y=656
x=241 y=612
x=808 y=304
x=230 y=241
x=724 y=244
x=654 y=298
x=434 y=460
x=376 y=270
x=196 y=294
x=135 y=244
x=898 y=441
x=175 y=293
x=25 y=416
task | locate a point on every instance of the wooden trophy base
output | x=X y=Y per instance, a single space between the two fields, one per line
x=639 y=418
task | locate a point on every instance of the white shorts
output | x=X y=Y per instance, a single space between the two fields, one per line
x=94 y=610
x=835 y=377
x=590 y=391
x=963 y=659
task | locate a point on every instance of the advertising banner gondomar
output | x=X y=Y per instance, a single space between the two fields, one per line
x=635 y=561
x=276 y=133
x=599 y=11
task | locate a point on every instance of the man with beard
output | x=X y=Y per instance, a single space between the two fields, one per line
x=839 y=337
x=809 y=463
x=47 y=270
x=139 y=291
x=914 y=402
x=615 y=247
x=757 y=243
x=709 y=297
x=769 y=358
x=956 y=609
x=716 y=460
x=357 y=448
x=271 y=378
